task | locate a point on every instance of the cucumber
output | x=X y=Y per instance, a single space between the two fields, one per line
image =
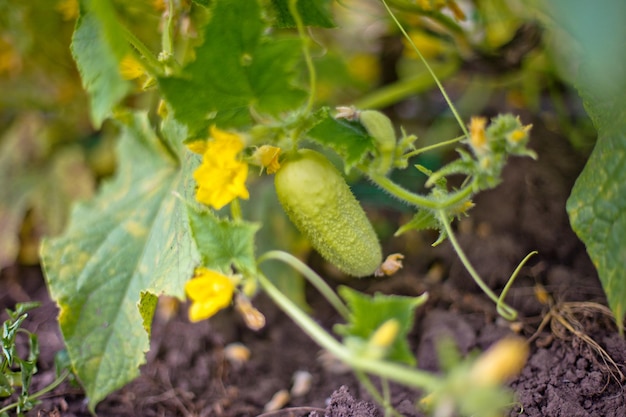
x=318 y=201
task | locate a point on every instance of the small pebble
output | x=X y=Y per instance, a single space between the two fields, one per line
x=301 y=383
x=278 y=401
x=236 y=354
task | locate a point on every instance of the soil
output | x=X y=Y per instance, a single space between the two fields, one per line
x=190 y=372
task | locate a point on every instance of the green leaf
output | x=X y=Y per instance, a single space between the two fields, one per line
x=132 y=238
x=597 y=204
x=35 y=182
x=313 y=13
x=147 y=306
x=203 y=3
x=368 y=313
x=223 y=243
x=348 y=138
x=236 y=70
x=423 y=219
x=597 y=211
x=98 y=46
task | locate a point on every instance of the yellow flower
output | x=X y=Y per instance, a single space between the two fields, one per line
x=68 y=9
x=130 y=68
x=222 y=176
x=519 y=135
x=267 y=157
x=197 y=146
x=429 y=45
x=10 y=60
x=364 y=67
x=209 y=292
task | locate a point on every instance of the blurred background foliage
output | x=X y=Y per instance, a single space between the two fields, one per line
x=493 y=56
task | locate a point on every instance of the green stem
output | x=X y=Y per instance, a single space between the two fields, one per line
x=430 y=70
x=293 y=9
x=404 y=88
x=506 y=311
x=439 y=17
x=382 y=399
x=396 y=190
x=154 y=67
x=313 y=278
x=500 y=304
x=403 y=375
x=39 y=393
x=235 y=210
x=167 y=43
x=434 y=146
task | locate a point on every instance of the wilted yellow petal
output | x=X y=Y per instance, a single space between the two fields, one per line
x=478 y=138
x=390 y=266
x=267 y=157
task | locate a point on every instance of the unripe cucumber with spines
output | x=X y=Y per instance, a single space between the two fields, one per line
x=319 y=202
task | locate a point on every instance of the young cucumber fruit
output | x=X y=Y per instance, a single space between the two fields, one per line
x=321 y=205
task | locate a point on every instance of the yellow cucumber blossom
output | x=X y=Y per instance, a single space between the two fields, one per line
x=267 y=157
x=222 y=175
x=209 y=292
x=519 y=135
x=131 y=68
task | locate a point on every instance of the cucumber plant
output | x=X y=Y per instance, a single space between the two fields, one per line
x=173 y=219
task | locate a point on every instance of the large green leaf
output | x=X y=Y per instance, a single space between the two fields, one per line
x=132 y=238
x=312 y=12
x=597 y=210
x=348 y=138
x=597 y=204
x=236 y=69
x=34 y=183
x=223 y=243
x=368 y=313
x=98 y=46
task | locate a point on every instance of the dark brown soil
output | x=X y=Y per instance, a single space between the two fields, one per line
x=189 y=374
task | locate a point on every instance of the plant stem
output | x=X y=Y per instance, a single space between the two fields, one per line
x=39 y=393
x=500 y=305
x=382 y=399
x=313 y=278
x=430 y=70
x=434 y=146
x=418 y=200
x=154 y=67
x=401 y=374
x=235 y=210
x=167 y=43
x=505 y=311
x=293 y=9
x=435 y=15
x=401 y=89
